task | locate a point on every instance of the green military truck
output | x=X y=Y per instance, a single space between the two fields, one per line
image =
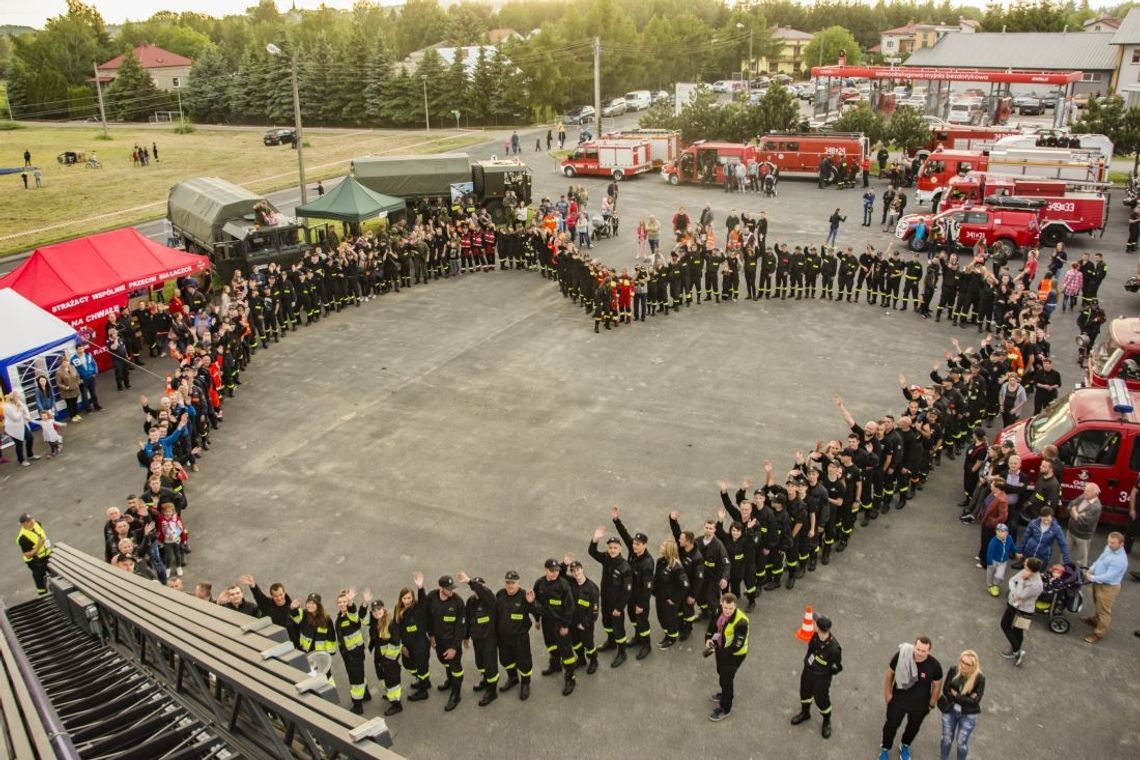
x=236 y=228
x=496 y=185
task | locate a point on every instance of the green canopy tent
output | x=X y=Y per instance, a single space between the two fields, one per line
x=350 y=202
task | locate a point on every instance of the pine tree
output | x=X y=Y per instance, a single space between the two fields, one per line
x=482 y=89
x=205 y=96
x=431 y=69
x=402 y=101
x=314 y=82
x=133 y=95
x=278 y=85
x=454 y=88
x=377 y=81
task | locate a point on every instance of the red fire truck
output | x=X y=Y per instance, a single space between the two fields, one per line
x=794 y=153
x=1065 y=212
x=1005 y=226
x=704 y=162
x=960 y=137
x=664 y=144
x=1050 y=163
x=609 y=158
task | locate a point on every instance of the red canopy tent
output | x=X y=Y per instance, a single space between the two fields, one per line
x=82 y=281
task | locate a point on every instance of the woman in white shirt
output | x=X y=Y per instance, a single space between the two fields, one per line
x=17 y=425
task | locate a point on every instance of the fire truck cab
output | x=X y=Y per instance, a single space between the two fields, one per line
x=802 y=153
x=1097 y=433
x=1117 y=355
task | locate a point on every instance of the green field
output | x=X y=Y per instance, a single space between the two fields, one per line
x=76 y=200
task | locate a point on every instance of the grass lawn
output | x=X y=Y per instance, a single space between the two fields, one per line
x=76 y=200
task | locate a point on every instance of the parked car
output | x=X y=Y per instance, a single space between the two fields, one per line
x=783 y=79
x=934 y=122
x=580 y=115
x=760 y=82
x=280 y=136
x=1049 y=99
x=615 y=107
x=638 y=100
x=661 y=96
x=1029 y=103
x=804 y=90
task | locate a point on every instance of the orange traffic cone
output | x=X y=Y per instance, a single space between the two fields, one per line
x=169 y=391
x=807 y=628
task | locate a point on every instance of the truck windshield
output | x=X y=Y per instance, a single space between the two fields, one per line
x=1050 y=425
x=1105 y=356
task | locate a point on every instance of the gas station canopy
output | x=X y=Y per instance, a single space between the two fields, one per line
x=993 y=76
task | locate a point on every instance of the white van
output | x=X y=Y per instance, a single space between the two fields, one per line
x=965 y=111
x=638 y=100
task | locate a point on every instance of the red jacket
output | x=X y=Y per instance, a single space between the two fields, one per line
x=625 y=292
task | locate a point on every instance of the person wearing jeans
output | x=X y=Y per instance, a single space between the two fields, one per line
x=727 y=639
x=1024 y=588
x=17 y=425
x=84 y=364
x=960 y=704
x=913 y=683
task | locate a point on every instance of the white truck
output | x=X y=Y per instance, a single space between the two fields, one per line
x=617 y=158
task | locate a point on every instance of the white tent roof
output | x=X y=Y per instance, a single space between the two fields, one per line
x=27 y=327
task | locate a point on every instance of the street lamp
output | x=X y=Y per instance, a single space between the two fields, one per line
x=299 y=140
x=455 y=113
x=427 y=119
x=741 y=26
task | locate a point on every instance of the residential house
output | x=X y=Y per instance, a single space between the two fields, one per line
x=168 y=70
x=1101 y=24
x=790 y=59
x=1126 y=43
x=468 y=53
x=895 y=44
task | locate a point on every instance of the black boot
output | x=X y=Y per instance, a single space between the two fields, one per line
x=489 y=696
x=866 y=519
x=367 y=695
x=802 y=716
x=812 y=560
x=938 y=315
x=554 y=667
x=825 y=557
x=751 y=603
x=480 y=686
x=511 y=682
x=646 y=649
x=569 y=683
x=453 y=700
x=620 y=657
x=357 y=707
x=445 y=685
x=393 y=708
x=592 y=668
x=609 y=645
x=524 y=689
x=825 y=731
x=791 y=581
x=842 y=545
x=772 y=584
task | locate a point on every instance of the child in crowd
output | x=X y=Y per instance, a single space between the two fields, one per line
x=172 y=536
x=51 y=434
x=998 y=554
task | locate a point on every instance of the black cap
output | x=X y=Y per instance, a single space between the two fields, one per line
x=551 y=564
x=512 y=575
x=823 y=623
x=447 y=582
x=574 y=565
x=25 y=517
x=641 y=538
x=376 y=605
x=613 y=540
x=479 y=580
x=314 y=598
x=124 y=558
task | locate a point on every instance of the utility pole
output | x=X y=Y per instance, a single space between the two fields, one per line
x=297 y=125
x=99 y=90
x=181 y=117
x=597 y=87
x=427 y=119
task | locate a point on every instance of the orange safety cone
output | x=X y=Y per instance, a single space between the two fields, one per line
x=169 y=391
x=807 y=628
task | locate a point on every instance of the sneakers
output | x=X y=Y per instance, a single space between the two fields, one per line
x=994 y=591
x=904 y=752
x=716 y=697
x=1009 y=654
x=1020 y=656
x=884 y=753
x=978 y=564
x=717 y=715
x=966 y=519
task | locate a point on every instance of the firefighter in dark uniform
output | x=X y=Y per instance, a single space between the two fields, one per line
x=798 y=265
x=812 y=263
x=641 y=562
x=717 y=570
x=269 y=313
x=1133 y=230
x=745 y=513
x=929 y=285
x=36 y=550
x=824 y=660
x=350 y=639
x=853 y=487
x=415 y=645
x=866 y=275
x=713 y=260
x=948 y=293
x=694 y=263
x=836 y=494
x=617 y=585
x=895 y=267
x=481 y=635
x=602 y=309
x=819 y=511
x=513 y=609
x=828 y=266
x=384 y=642
x=799 y=550
x=587 y=606
x=694 y=566
x=670 y=587
x=676 y=281
x=912 y=275
x=767 y=269
x=751 y=261
x=447 y=627
x=554 y=604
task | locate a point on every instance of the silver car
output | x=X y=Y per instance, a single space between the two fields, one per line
x=615 y=107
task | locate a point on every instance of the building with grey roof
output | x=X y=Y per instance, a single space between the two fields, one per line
x=1126 y=43
x=1089 y=52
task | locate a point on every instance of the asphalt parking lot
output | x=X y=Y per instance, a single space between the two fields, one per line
x=481 y=425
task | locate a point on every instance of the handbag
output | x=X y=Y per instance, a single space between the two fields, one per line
x=1022 y=622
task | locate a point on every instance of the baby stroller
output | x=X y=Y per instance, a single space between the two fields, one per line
x=1062 y=593
x=768 y=180
x=604 y=225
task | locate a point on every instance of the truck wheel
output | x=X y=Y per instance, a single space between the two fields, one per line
x=1054 y=234
x=568 y=171
x=618 y=175
x=674 y=179
x=1004 y=247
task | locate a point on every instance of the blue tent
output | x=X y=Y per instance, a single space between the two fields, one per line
x=33 y=342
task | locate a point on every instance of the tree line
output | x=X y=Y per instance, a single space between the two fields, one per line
x=350 y=63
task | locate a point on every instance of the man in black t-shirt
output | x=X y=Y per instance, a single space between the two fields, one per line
x=911 y=691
